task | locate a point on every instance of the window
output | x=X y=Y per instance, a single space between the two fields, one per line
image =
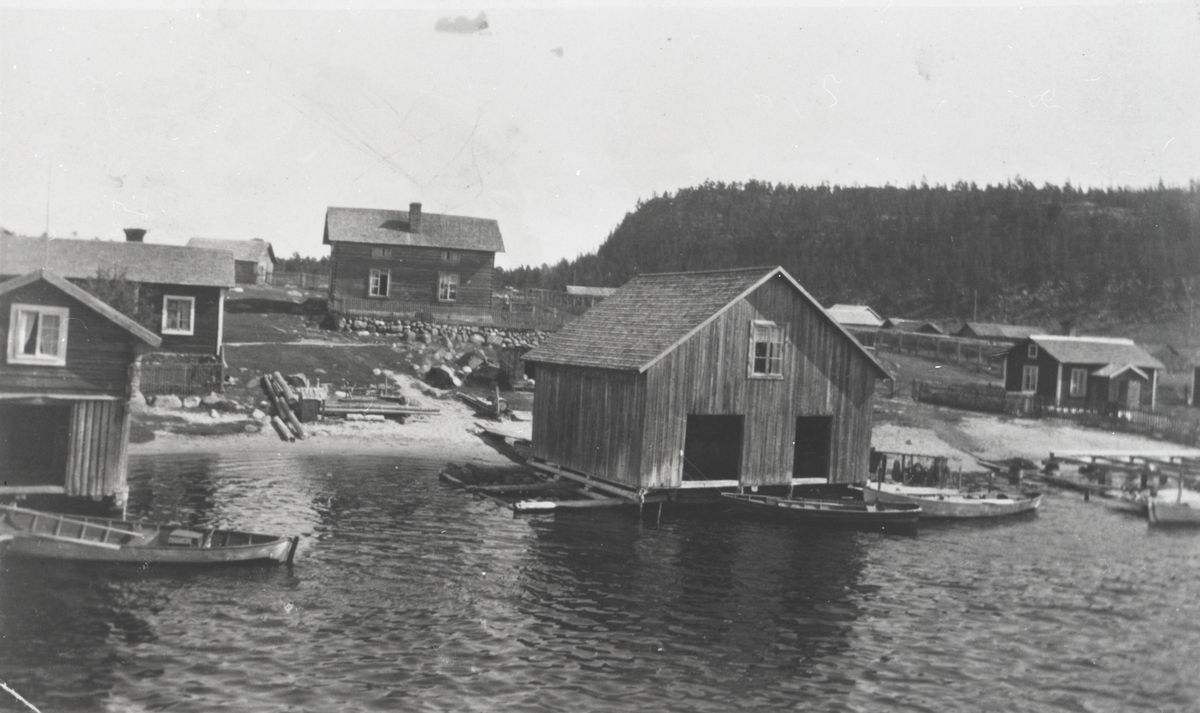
x=766 y=355
x=447 y=287
x=179 y=315
x=449 y=256
x=1029 y=378
x=1032 y=351
x=381 y=252
x=381 y=282
x=1079 y=382
x=37 y=335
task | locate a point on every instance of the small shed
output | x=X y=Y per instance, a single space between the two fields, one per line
x=64 y=389
x=705 y=380
x=912 y=325
x=253 y=259
x=1084 y=371
x=995 y=332
x=858 y=316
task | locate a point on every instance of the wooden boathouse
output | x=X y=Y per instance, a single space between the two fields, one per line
x=714 y=379
x=64 y=390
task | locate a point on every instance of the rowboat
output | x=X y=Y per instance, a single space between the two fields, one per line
x=1178 y=513
x=827 y=512
x=950 y=504
x=69 y=537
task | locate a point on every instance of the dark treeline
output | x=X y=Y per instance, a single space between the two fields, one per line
x=1012 y=251
x=301 y=263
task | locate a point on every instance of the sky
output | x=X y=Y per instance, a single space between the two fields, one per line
x=242 y=119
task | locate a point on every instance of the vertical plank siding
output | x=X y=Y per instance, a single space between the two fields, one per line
x=96 y=451
x=206 y=326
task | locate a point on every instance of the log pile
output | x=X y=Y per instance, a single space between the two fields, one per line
x=283 y=401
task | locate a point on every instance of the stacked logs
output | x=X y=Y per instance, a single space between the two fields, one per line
x=284 y=400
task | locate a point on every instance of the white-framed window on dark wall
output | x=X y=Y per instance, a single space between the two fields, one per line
x=381 y=283
x=766 y=350
x=37 y=335
x=179 y=315
x=447 y=287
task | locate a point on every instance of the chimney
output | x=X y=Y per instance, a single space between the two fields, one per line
x=1068 y=327
x=134 y=235
x=414 y=217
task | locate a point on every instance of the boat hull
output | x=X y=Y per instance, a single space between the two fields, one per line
x=1173 y=514
x=826 y=512
x=952 y=505
x=51 y=536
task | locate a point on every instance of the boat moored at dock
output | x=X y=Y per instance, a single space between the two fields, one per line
x=950 y=504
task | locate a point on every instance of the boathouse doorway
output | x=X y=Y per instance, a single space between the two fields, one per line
x=33 y=444
x=814 y=437
x=712 y=447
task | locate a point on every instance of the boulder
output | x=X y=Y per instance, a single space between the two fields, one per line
x=296 y=380
x=258 y=415
x=442 y=377
x=191 y=402
x=212 y=399
x=168 y=401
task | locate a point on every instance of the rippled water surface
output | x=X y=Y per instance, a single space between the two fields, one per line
x=408 y=595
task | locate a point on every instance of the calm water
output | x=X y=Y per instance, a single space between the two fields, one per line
x=407 y=595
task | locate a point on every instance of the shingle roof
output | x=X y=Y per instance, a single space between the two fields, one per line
x=140 y=262
x=390 y=227
x=253 y=250
x=1002 y=331
x=855 y=315
x=1116 y=369
x=912 y=325
x=650 y=315
x=1095 y=350
x=87 y=298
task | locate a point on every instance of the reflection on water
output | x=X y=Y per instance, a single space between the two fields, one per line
x=409 y=595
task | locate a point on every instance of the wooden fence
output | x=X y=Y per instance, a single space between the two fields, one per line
x=980 y=354
x=1178 y=426
x=181 y=379
x=303 y=280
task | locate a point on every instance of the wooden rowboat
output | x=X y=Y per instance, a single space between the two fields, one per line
x=949 y=504
x=827 y=512
x=68 y=537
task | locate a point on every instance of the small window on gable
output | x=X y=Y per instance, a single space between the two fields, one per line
x=381 y=282
x=37 y=335
x=381 y=252
x=1032 y=351
x=449 y=256
x=766 y=350
x=179 y=315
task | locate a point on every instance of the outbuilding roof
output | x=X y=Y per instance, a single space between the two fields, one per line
x=139 y=262
x=1112 y=370
x=855 y=316
x=1000 y=331
x=252 y=250
x=91 y=301
x=391 y=227
x=590 y=291
x=651 y=315
x=1095 y=350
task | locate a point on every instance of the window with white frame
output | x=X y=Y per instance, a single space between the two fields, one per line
x=381 y=282
x=1029 y=379
x=178 y=315
x=447 y=287
x=766 y=349
x=1079 y=382
x=449 y=256
x=37 y=335
x=1032 y=351
x=381 y=252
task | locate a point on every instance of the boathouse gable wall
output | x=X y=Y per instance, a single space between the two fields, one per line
x=823 y=374
x=590 y=420
x=98 y=353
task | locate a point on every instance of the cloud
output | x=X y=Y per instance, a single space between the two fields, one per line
x=462 y=24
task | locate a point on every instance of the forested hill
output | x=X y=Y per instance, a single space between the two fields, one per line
x=1011 y=251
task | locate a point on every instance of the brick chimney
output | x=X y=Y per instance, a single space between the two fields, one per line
x=134 y=235
x=1068 y=327
x=414 y=217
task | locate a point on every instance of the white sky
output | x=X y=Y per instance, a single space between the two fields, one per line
x=246 y=120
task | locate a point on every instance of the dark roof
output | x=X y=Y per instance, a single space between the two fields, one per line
x=650 y=315
x=1096 y=350
x=140 y=262
x=390 y=227
x=86 y=298
x=253 y=250
x=1001 y=331
x=912 y=325
x=855 y=315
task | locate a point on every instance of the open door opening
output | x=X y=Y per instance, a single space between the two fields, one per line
x=814 y=438
x=33 y=444
x=712 y=447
